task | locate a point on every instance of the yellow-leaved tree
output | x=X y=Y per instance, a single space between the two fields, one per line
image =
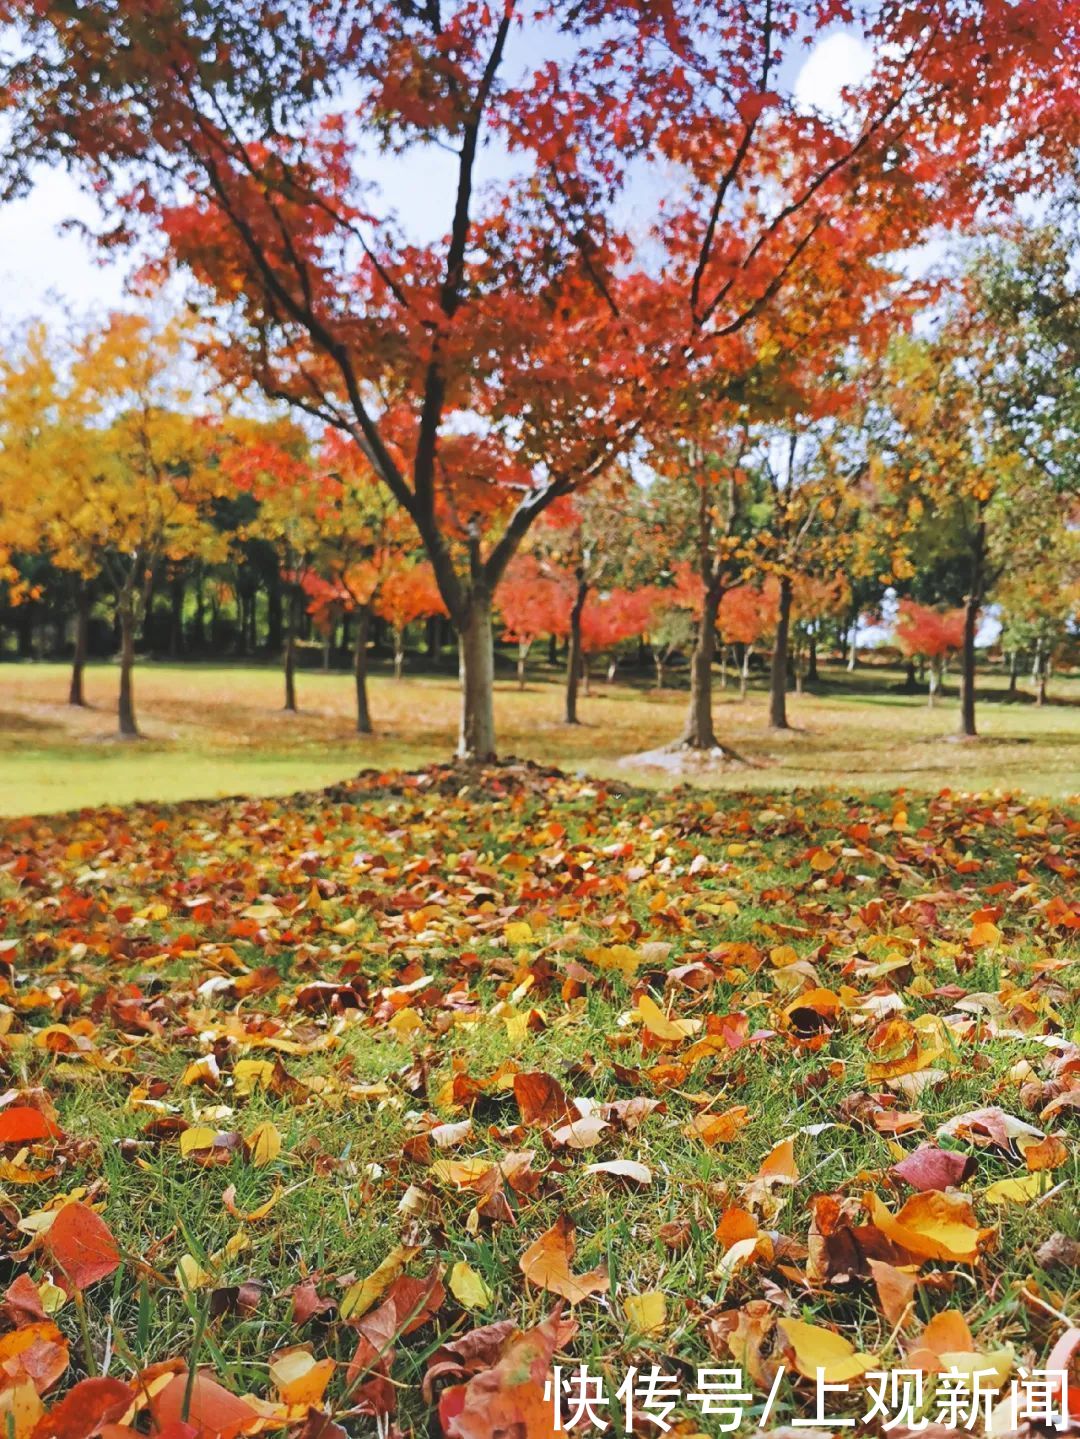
x=110 y=464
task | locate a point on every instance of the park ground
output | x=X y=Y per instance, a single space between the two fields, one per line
x=321 y=1107
x=215 y=730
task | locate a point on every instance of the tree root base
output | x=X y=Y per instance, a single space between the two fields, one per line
x=685 y=760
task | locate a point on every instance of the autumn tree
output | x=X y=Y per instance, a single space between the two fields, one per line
x=931 y=634
x=533 y=600
x=250 y=166
x=115 y=466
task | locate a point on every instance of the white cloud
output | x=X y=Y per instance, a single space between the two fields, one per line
x=44 y=269
x=835 y=62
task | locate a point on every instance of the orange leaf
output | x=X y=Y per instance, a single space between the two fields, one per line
x=214 y=1412
x=546 y=1264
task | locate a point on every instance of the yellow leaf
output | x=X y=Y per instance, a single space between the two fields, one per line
x=199 y=1136
x=518 y=932
x=263 y=1144
x=298 y=1376
x=250 y=1075
x=657 y=1022
x=20 y=1408
x=647 y=1312
x=405 y=1022
x=359 y=1297
x=1017 y=1191
x=983 y=933
x=821 y=1352
x=933 y=1225
x=468 y=1288
x=460 y=1172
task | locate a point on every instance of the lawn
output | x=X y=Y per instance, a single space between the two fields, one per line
x=398 y=1071
x=214 y=730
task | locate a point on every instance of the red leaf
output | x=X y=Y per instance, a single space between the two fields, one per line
x=81 y=1246
x=21 y=1124
x=84 y=1409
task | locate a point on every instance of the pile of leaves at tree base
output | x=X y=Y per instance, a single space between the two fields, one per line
x=363 y=1110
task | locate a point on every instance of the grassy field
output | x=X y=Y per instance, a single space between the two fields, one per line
x=336 y=1072
x=212 y=730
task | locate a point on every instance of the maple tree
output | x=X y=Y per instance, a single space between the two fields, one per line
x=930 y=634
x=532 y=600
x=530 y=312
x=407 y=593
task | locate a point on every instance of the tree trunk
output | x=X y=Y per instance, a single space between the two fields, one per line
x=935 y=680
x=553 y=651
x=967 y=667
x=291 y=618
x=723 y=666
x=910 y=683
x=126 y=708
x=1040 y=694
x=363 y=714
x=699 y=733
x=658 y=661
x=76 y=696
x=476 y=648
x=573 y=657
x=523 y=650
x=778 y=676
x=744 y=672
x=853 y=648
x=399 y=651
x=811 y=659
x=1012 y=674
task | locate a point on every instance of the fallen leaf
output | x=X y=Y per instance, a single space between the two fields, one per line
x=546 y=1265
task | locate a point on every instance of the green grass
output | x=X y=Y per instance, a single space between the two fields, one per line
x=396 y=881
x=214 y=730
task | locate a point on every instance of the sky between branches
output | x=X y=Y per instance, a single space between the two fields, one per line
x=47 y=270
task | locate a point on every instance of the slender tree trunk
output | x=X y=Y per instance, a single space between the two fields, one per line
x=744 y=671
x=553 y=651
x=853 y=648
x=363 y=713
x=811 y=659
x=967 y=668
x=399 y=651
x=778 y=676
x=574 y=656
x=76 y=695
x=699 y=732
x=522 y=655
x=476 y=648
x=1012 y=673
x=658 y=662
x=910 y=683
x=126 y=707
x=291 y=618
x=613 y=665
x=723 y=666
x=1040 y=695
x=935 y=681
x=200 y=609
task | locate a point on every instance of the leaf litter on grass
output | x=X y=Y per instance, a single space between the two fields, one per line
x=365 y=1110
